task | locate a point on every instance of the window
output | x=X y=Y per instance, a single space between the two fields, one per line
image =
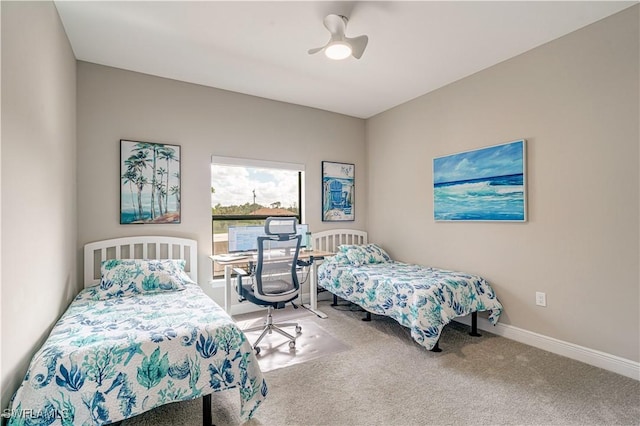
x=245 y=192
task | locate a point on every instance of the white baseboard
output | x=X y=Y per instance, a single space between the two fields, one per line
x=589 y=356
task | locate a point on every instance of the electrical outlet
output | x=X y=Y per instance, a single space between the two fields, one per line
x=541 y=298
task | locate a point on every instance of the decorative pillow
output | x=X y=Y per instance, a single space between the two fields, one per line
x=346 y=247
x=128 y=277
x=368 y=254
x=340 y=259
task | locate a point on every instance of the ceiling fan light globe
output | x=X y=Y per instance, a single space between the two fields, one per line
x=338 y=50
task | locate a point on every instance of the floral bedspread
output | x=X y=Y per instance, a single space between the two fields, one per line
x=113 y=359
x=418 y=297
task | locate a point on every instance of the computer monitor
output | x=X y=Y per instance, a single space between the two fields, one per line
x=245 y=238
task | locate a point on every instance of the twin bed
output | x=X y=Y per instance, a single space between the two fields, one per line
x=141 y=334
x=421 y=298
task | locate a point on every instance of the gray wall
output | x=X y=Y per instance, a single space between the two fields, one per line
x=575 y=100
x=114 y=104
x=39 y=241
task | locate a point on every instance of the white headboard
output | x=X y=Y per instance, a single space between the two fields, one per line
x=147 y=247
x=331 y=239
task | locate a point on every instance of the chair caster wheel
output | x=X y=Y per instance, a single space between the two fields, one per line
x=257 y=350
x=292 y=345
x=298 y=329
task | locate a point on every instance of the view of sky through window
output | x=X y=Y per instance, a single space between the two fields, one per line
x=238 y=185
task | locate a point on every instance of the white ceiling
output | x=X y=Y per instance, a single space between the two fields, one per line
x=260 y=48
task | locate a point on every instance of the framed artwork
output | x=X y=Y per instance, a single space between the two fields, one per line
x=149 y=182
x=338 y=191
x=487 y=184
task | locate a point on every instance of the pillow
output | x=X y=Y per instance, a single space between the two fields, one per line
x=340 y=259
x=128 y=277
x=346 y=247
x=368 y=254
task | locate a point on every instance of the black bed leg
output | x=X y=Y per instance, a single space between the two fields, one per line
x=335 y=300
x=474 y=325
x=206 y=411
x=368 y=317
x=436 y=348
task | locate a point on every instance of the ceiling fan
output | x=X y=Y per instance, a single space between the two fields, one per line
x=340 y=46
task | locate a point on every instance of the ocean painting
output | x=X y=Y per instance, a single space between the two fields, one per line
x=486 y=184
x=149 y=183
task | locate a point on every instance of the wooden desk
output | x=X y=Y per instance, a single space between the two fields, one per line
x=312 y=256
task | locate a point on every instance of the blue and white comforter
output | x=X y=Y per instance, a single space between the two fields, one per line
x=418 y=297
x=113 y=359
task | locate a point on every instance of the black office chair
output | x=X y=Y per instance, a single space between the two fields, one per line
x=272 y=281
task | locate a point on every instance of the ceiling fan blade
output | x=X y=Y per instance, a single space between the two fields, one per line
x=316 y=50
x=358 y=44
x=336 y=25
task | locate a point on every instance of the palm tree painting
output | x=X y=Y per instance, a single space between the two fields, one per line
x=149 y=182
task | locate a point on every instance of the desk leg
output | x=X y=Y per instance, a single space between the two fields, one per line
x=228 y=289
x=313 y=291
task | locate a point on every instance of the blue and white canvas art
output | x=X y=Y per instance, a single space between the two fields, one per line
x=338 y=190
x=149 y=182
x=487 y=184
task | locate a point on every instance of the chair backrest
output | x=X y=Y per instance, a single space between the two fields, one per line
x=276 y=268
x=337 y=195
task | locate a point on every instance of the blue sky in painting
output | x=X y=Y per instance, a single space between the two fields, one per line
x=500 y=160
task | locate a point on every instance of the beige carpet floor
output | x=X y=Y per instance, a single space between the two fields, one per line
x=385 y=378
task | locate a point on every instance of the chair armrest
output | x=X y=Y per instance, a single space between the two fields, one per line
x=240 y=271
